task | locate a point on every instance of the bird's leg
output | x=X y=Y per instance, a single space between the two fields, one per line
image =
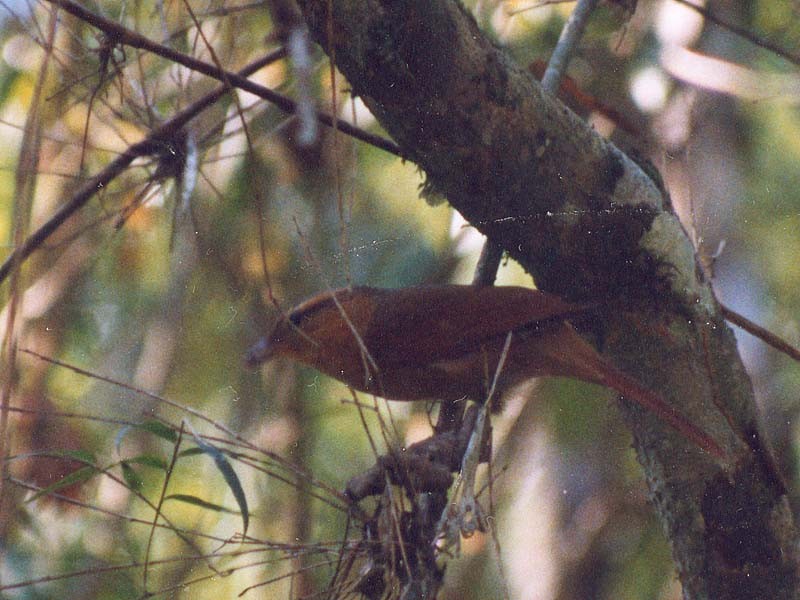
x=451 y=415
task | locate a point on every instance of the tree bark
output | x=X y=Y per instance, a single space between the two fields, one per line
x=590 y=224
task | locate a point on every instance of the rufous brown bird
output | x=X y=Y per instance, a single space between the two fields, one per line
x=446 y=342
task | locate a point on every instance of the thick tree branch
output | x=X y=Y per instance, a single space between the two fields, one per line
x=491 y=254
x=588 y=223
x=511 y=159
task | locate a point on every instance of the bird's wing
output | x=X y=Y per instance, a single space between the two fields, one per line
x=426 y=324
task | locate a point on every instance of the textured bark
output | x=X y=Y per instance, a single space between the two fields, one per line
x=588 y=223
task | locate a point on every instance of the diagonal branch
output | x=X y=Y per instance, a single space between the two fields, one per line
x=128 y=37
x=742 y=32
x=157 y=138
x=155 y=141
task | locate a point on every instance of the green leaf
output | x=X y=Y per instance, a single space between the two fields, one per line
x=132 y=478
x=194 y=500
x=148 y=460
x=230 y=477
x=159 y=429
x=191 y=452
x=82 y=474
x=155 y=427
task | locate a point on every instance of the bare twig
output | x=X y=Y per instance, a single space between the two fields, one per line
x=470 y=515
x=761 y=333
x=231 y=435
x=95 y=569
x=742 y=32
x=158 y=136
x=567 y=42
x=159 y=505
x=131 y=38
x=149 y=145
x=24 y=187
x=489 y=261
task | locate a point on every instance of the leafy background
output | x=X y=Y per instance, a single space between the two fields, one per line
x=165 y=297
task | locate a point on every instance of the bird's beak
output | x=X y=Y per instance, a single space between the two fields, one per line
x=258 y=353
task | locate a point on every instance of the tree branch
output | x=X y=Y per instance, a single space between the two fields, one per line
x=491 y=254
x=127 y=37
x=160 y=136
x=157 y=140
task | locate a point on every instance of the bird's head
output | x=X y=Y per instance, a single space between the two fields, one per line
x=317 y=331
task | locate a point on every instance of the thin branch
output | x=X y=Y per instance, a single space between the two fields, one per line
x=232 y=435
x=131 y=38
x=159 y=506
x=567 y=42
x=760 y=332
x=152 y=143
x=742 y=32
x=489 y=261
x=24 y=185
x=160 y=135
x=95 y=569
x=258 y=195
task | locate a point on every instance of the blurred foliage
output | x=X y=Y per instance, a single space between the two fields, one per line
x=112 y=293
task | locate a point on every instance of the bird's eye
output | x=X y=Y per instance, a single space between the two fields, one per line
x=309 y=308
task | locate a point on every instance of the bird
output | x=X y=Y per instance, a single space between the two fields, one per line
x=452 y=342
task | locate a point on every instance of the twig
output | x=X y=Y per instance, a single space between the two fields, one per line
x=23 y=192
x=157 y=137
x=742 y=32
x=153 y=142
x=489 y=261
x=469 y=509
x=761 y=333
x=198 y=414
x=159 y=506
x=131 y=38
x=567 y=42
